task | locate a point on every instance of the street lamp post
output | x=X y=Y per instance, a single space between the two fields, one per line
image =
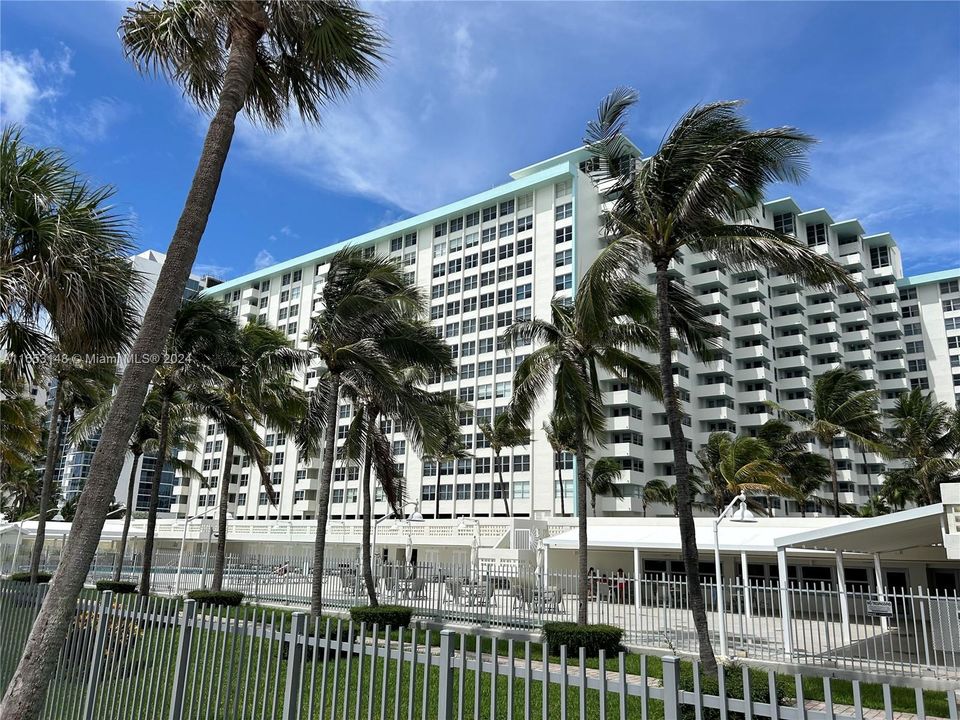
x=183 y=542
x=742 y=514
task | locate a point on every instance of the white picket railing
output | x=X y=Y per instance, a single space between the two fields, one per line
x=920 y=637
x=130 y=657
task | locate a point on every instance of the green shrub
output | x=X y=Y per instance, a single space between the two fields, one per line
x=593 y=638
x=24 y=577
x=120 y=587
x=733 y=682
x=393 y=615
x=229 y=598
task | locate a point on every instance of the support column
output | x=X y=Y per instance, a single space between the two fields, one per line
x=747 y=599
x=636 y=586
x=786 y=624
x=881 y=595
x=842 y=594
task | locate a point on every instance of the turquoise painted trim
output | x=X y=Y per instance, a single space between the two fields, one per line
x=546 y=175
x=575 y=156
x=927 y=278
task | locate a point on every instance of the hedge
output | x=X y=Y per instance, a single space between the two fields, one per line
x=24 y=577
x=733 y=684
x=216 y=597
x=593 y=638
x=393 y=615
x=120 y=587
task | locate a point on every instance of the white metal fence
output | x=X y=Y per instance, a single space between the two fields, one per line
x=919 y=637
x=127 y=657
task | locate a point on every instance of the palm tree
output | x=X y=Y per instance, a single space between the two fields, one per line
x=79 y=386
x=21 y=426
x=741 y=464
x=505 y=432
x=693 y=195
x=922 y=436
x=654 y=491
x=360 y=297
x=805 y=471
x=559 y=436
x=602 y=476
x=256 y=388
x=599 y=330
x=268 y=59
x=203 y=332
x=63 y=250
x=19 y=491
x=898 y=489
x=844 y=406
x=875 y=506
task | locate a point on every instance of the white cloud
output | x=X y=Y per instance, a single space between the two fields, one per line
x=470 y=75
x=264 y=259
x=218 y=271
x=26 y=81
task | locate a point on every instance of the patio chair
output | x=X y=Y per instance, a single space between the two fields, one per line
x=417 y=587
x=454 y=589
x=552 y=600
x=522 y=596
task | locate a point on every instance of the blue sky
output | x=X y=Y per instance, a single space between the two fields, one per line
x=475 y=90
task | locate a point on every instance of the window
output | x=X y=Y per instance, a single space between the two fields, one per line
x=488 y=256
x=455 y=244
x=452 y=329
x=524 y=291
x=470 y=282
x=486 y=300
x=292 y=328
x=436 y=291
x=436 y=312
x=921 y=383
x=916 y=365
x=488 y=278
x=470 y=261
x=564 y=257
x=908 y=294
x=428 y=492
x=481 y=491
x=783 y=223
x=410 y=239
x=466 y=394
x=504 y=274
x=912 y=329
x=285 y=280
x=453 y=287
x=879 y=256
x=562 y=189
x=455 y=266
x=440 y=229
x=456 y=224
x=469 y=305
x=816 y=234
x=473 y=218
x=563 y=282
x=399 y=447
x=505 y=251
x=953 y=342
x=950 y=286
x=525 y=223
x=439 y=248
x=562 y=212
x=439 y=270
x=484 y=392
x=524 y=246
x=951 y=305
x=264 y=301
x=264 y=286
x=282 y=314
x=488 y=235
x=471 y=240
x=950 y=324
x=564 y=234
x=501 y=490
x=278 y=458
x=524 y=314
x=524 y=268
x=468 y=348
x=490 y=213
x=467 y=372
x=297 y=275
x=504 y=365
x=463 y=490
x=521 y=463
x=504 y=296
x=504 y=319
x=486 y=323
x=485 y=367
x=914 y=347
x=453 y=308
x=284 y=296
x=910 y=311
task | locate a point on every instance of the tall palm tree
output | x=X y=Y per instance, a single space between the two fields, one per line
x=599 y=331
x=844 y=406
x=898 y=489
x=922 y=436
x=78 y=386
x=558 y=434
x=268 y=59
x=602 y=476
x=805 y=471
x=203 y=332
x=256 y=389
x=360 y=297
x=19 y=491
x=504 y=432
x=21 y=428
x=63 y=250
x=741 y=464
x=655 y=490
x=693 y=195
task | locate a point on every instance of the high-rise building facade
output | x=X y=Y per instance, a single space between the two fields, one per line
x=74 y=467
x=502 y=256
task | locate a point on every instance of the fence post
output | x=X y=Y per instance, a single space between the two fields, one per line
x=671 y=688
x=291 y=691
x=182 y=662
x=96 y=659
x=445 y=692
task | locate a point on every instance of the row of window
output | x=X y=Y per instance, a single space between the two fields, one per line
x=480 y=491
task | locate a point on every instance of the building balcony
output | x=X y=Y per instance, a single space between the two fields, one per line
x=889 y=327
x=888 y=346
x=711 y=277
x=750 y=419
x=793 y=340
x=854 y=317
x=828 y=348
x=625 y=423
x=714 y=414
x=891 y=365
x=624 y=450
x=741 y=332
x=824 y=308
x=748 y=287
x=852 y=261
x=794 y=383
x=798 y=405
x=828 y=328
x=852 y=336
x=793 y=299
x=622 y=397
x=754 y=351
x=791 y=362
x=305 y=506
x=754 y=397
x=858 y=356
x=249 y=294
x=749 y=308
x=712 y=390
x=750 y=374
x=713 y=299
x=885 y=308
x=883 y=293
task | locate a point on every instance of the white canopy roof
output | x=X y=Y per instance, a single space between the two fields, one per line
x=918 y=527
x=112 y=529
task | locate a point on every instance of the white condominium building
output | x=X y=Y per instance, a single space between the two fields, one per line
x=502 y=256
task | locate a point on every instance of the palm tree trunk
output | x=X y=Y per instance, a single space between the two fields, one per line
x=118 y=563
x=563 y=509
x=323 y=495
x=681 y=470
x=54 y=443
x=221 y=558
x=154 y=505
x=583 y=568
x=834 y=480
x=27 y=687
x=365 y=554
x=503 y=496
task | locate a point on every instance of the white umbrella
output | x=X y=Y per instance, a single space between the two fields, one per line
x=475 y=553
x=410 y=551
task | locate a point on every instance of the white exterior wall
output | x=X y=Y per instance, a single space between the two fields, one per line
x=781 y=336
